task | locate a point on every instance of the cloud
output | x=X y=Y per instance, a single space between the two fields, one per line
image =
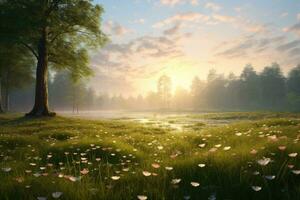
x=289 y=45
x=115 y=29
x=285 y=14
x=237 y=50
x=214 y=19
x=213 y=6
x=142 y=51
x=224 y=18
x=173 y=30
x=295 y=52
x=139 y=21
x=175 y=2
x=298 y=16
x=293 y=29
x=241 y=23
x=183 y=17
x=249 y=45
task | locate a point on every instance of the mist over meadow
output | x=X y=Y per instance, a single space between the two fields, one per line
x=267 y=90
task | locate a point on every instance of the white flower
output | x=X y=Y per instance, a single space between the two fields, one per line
x=270 y=177
x=142 y=197
x=293 y=155
x=264 y=161
x=146 y=173
x=6 y=169
x=227 y=148
x=256 y=188
x=175 y=181
x=115 y=178
x=56 y=195
x=201 y=165
x=195 y=184
x=297 y=172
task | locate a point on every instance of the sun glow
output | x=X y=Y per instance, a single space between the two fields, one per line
x=181 y=73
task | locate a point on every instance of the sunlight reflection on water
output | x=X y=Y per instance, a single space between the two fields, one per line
x=169 y=120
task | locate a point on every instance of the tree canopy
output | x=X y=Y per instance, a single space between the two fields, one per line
x=57 y=32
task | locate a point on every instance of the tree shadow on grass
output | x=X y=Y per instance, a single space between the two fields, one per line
x=17 y=119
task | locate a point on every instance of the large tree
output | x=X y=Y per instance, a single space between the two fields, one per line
x=57 y=33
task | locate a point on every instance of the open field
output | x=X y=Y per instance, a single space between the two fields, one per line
x=247 y=156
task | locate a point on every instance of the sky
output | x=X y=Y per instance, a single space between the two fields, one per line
x=187 y=38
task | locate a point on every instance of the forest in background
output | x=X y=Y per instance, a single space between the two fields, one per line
x=251 y=90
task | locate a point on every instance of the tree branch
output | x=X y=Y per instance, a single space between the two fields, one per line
x=53 y=5
x=31 y=49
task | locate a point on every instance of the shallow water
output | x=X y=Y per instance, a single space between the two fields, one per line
x=169 y=120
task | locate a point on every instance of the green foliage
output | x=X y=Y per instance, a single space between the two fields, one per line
x=71 y=26
x=15 y=62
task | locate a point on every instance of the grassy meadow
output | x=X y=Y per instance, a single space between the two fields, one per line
x=252 y=156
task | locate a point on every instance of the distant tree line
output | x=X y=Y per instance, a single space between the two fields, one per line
x=267 y=90
x=250 y=91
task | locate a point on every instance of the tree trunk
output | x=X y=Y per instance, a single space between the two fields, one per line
x=1 y=110
x=7 y=99
x=41 y=106
x=5 y=91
